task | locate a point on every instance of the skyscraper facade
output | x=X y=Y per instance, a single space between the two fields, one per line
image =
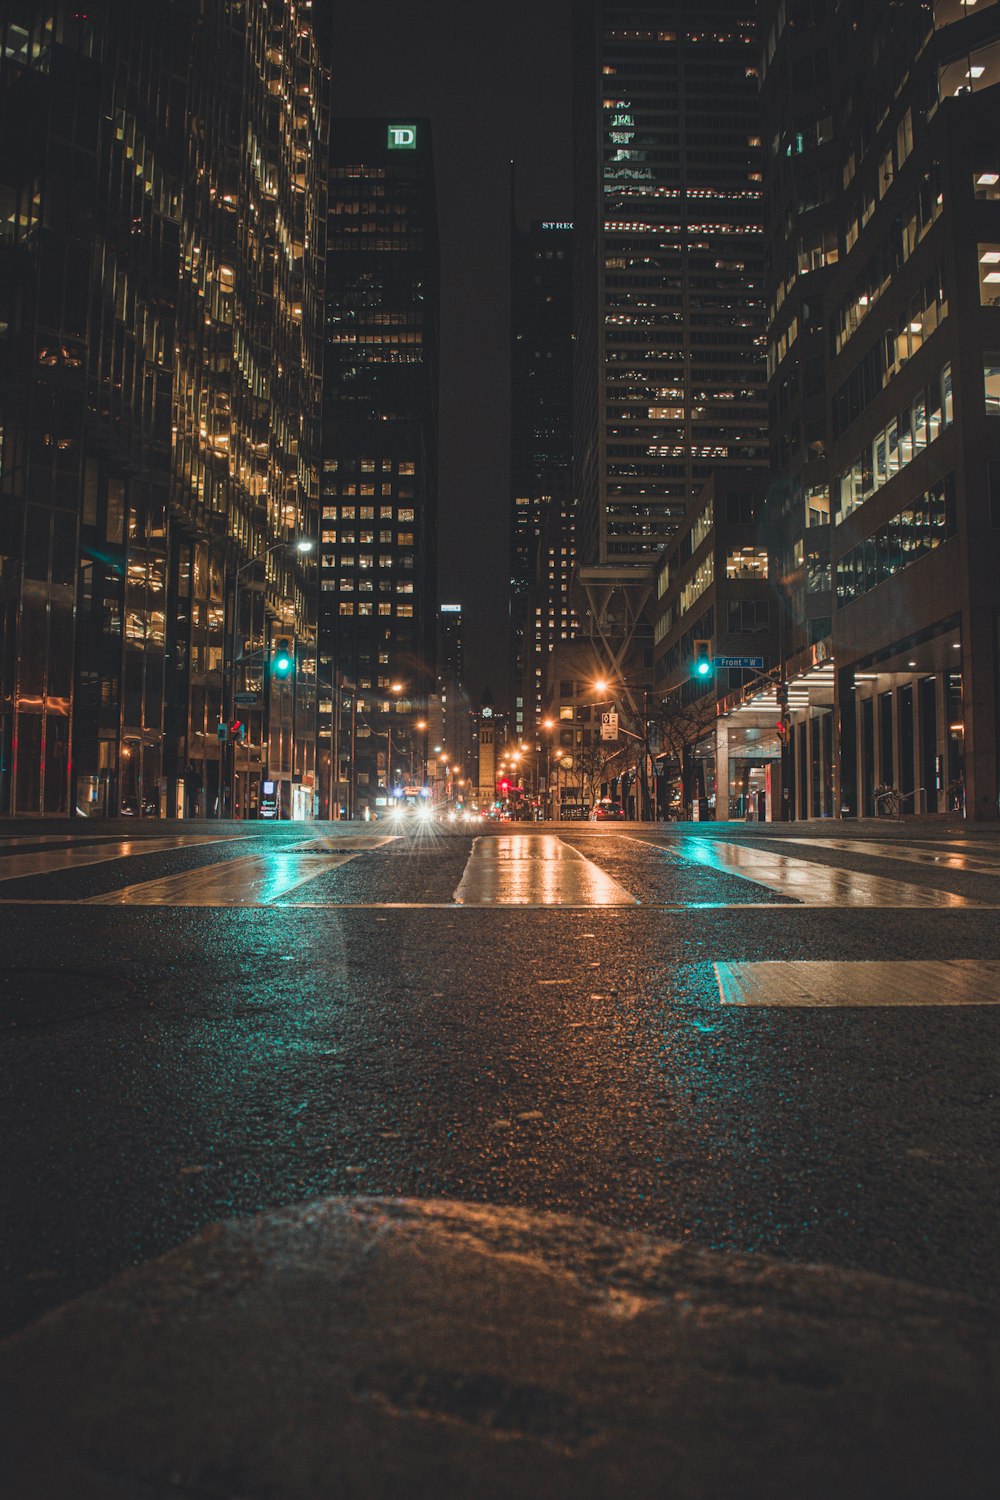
x=669 y=381
x=892 y=117
x=541 y=455
x=161 y=172
x=378 y=564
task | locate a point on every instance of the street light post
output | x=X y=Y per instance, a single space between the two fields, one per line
x=302 y=545
x=647 y=800
x=397 y=688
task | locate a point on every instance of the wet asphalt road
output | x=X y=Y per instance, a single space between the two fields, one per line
x=167 y=1066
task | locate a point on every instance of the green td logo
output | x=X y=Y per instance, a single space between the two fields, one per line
x=402 y=137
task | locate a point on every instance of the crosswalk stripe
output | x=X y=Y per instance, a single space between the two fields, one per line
x=804 y=880
x=535 y=869
x=251 y=880
x=860 y=982
x=943 y=859
x=51 y=861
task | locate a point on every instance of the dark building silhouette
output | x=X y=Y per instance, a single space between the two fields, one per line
x=378 y=565
x=541 y=450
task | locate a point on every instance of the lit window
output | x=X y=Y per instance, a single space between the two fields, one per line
x=991 y=381
x=346 y=609
x=989 y=275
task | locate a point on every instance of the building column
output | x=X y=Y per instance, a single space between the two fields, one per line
x=722 y=769
x=980 y=692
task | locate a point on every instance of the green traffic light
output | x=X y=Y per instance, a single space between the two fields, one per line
x=703 y=668
x=283 y=661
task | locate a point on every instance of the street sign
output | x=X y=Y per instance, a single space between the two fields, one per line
x=609 y=725
x=748 y=663
x=246 y=700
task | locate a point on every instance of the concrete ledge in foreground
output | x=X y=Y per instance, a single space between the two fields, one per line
x=366 y=1349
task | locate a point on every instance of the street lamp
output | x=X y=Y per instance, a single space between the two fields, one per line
x=338 y=693
x=601 y=685
x=549 y=726
x=397 y=688
x=300 y=546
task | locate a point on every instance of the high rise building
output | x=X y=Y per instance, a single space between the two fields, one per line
x=668 y=247
x=247 y=401
x=541 y=454
x=454 y=730
x=161 y=175
x=551 y=606
x=889 y=113
x=378 y=575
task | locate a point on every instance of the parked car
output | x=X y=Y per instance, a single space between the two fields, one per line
x=607 y=811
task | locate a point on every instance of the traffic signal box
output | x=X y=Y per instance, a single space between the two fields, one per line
x=283 y=659
x=784 y=722
x=702 y=666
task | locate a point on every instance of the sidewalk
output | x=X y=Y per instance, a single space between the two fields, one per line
x=379 y=1349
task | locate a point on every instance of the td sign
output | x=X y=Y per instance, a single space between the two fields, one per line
x=402 y=138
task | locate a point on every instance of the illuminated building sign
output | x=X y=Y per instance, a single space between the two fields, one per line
x=402 y=138
x=560 y=224
x=451 y=609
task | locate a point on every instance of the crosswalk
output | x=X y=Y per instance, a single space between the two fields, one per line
x=575 y=869
x=526 y=869
x=835 y=985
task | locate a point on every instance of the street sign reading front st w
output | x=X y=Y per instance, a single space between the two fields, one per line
x=748 y=663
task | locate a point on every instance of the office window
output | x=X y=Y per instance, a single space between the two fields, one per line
x=989 y=275
x=991 y=383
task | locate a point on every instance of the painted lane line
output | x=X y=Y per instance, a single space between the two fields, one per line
x=805 y=880
x=53 y=861
x=251 y=880
x=906 y=982
x=535 y=869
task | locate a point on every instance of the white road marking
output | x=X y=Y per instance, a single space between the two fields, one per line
x=535 y=869
x=943 y=859
x=822 y=885
x=251 y=880
x=49 y=861
x=821 y=984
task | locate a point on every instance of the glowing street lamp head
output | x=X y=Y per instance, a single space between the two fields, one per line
x=396 y=687
x=601 y=685
x=304 y=544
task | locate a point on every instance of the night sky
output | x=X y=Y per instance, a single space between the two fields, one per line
x=495 y=83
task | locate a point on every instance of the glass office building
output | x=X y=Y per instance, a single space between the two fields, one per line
x=378 y=560
x=162 y=221
x=669 y=264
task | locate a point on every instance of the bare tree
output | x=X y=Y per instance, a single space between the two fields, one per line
x=594 y=762
x=678 y=726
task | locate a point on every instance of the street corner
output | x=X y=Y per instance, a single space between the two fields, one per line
x=337 y=1347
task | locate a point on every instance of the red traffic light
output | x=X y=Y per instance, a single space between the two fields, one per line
x=238 y=730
